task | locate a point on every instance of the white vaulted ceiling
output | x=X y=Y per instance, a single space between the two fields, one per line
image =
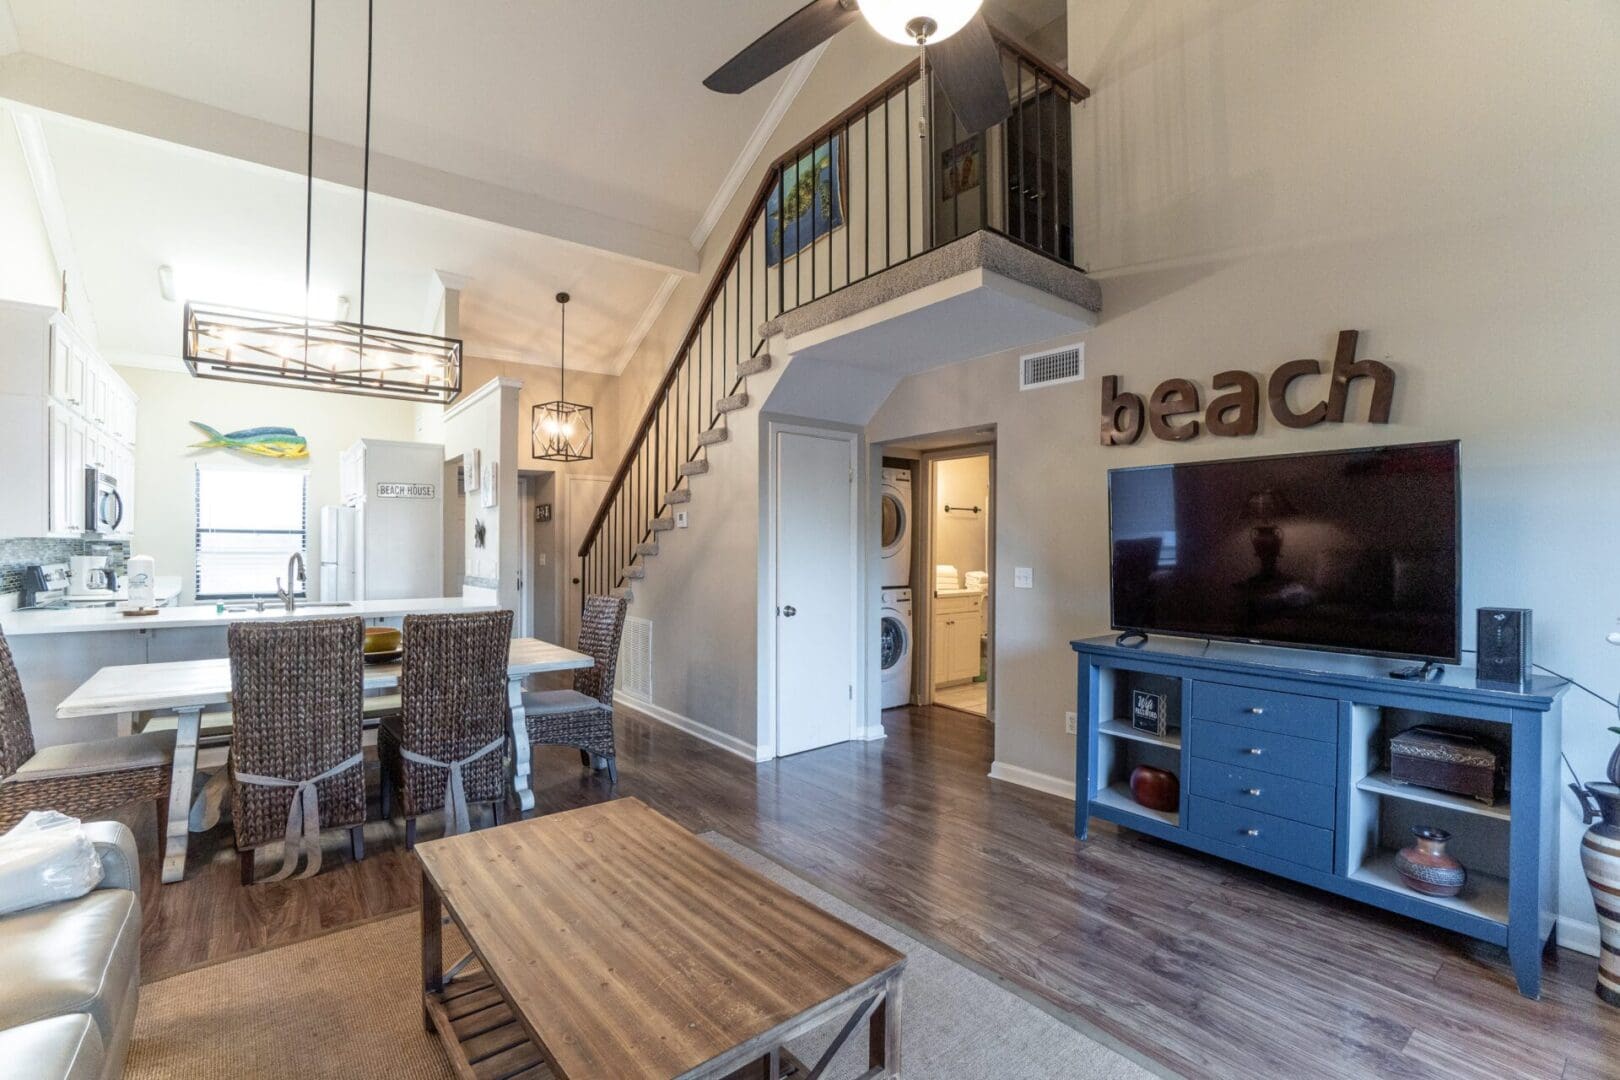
x=527 y=146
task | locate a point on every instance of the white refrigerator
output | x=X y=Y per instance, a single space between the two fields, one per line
x=386 y=542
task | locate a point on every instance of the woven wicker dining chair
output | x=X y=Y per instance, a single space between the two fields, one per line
x=83 y=780
x=296 y=762
x=452 y=720
x=583 y=717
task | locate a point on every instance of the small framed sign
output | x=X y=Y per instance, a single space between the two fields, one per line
x=387 y=490
x=1150 y=711
x=542 y=513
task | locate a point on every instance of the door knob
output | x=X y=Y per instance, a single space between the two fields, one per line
x=789 y=611
x=576 y=581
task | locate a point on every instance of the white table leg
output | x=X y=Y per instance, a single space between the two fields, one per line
x=126 y=723
x=520 y=744
x=205 y=809
x=177 y=831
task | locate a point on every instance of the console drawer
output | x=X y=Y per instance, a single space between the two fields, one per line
x=1267 y=751
x=1280 y=796
x=1278 y=837
x=1269 y=710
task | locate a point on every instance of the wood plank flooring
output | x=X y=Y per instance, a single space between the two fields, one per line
x=1208 y=968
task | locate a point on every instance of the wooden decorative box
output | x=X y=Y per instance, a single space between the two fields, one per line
x=1445 y=760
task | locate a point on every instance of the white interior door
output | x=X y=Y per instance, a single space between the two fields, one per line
x=816 y=606
x=584 y=496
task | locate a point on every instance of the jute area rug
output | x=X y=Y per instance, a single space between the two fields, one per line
x=348 y=1004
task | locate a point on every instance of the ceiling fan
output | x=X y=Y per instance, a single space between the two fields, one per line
x=951 y=35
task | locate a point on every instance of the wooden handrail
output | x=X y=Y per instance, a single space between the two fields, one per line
x=745 y=228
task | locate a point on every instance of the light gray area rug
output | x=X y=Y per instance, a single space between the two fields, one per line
x=955 y=1021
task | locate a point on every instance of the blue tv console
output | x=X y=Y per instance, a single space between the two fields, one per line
x=1282 y=758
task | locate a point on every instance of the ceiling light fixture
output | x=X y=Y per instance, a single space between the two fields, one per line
x=907 y=22
x=240 y=345
x=562 y=430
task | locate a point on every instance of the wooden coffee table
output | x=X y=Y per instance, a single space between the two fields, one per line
x=615 y=944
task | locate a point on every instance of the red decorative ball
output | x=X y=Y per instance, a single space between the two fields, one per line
x=1156 y=789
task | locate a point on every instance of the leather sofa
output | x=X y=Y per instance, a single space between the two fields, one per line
x=72 y=973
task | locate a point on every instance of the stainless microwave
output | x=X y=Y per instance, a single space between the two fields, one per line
x=103 y=506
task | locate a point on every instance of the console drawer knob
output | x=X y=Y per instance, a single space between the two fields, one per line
x=1256 y=750
x=1253 y=791
x=1251 y=832
x=1255 y=710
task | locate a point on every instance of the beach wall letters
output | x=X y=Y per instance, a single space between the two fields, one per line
x=1170 y=411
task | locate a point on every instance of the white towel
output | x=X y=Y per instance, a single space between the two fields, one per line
x=976 y=579
x=946 y=577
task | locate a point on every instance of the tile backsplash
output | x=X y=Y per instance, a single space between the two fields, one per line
x=16 y=553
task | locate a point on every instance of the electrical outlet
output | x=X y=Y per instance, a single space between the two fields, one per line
x=1023 y=577
x=680 y=519
x=1071 y=724
x=542 y=558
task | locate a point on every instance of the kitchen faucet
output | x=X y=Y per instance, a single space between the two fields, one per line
x=289 y=595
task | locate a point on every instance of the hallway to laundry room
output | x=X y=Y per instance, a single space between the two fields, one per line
x=960 y=582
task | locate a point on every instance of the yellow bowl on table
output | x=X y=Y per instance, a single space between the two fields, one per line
x=381 y=640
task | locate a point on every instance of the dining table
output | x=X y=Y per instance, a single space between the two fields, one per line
x=185 y=688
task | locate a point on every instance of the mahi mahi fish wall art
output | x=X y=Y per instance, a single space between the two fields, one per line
x=274 y=442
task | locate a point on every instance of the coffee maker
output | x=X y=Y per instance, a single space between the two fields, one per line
x=90 y=580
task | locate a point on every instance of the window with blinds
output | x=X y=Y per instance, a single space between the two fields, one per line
x=249 y=522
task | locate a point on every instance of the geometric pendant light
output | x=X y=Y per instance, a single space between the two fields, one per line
x=562 y=430
x=241 y=345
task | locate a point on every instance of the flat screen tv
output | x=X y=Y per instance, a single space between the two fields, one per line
x=1345 y=550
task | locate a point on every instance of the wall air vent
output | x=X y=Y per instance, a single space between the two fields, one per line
x=634 y=675
x=1053 y=366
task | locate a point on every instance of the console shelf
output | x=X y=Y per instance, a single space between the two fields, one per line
x=1282 y=756
x=1118 y=796
x=1380 y=783
x=1121 y=729
x=1484 y=897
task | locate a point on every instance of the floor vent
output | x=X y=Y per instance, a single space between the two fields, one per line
x=634 y=675
x=1067 y=364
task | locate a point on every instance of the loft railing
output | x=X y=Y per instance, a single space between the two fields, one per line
x=847 y=202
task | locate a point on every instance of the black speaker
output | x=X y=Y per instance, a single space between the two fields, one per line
x=1504 y=648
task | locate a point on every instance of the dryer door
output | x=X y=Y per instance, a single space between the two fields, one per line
x=896 y=521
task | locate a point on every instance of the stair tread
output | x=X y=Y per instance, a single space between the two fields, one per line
x=695 y=468
x=678 y=495
x=713 y=436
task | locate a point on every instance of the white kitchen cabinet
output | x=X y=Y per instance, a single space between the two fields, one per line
x=957 y=627
x=61 y=408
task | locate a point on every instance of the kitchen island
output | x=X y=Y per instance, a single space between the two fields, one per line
x=56 y=651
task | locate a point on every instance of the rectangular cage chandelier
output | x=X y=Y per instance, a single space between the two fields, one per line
x=239 y=345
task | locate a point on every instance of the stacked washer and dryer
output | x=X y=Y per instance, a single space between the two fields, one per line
x=894 y=636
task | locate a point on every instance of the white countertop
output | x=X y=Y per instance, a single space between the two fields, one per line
x=95 y=619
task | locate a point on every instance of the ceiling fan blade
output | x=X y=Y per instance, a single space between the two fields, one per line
x=968 y=67
x=782 y=44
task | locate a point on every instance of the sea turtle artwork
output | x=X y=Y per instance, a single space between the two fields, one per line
x=274 y=442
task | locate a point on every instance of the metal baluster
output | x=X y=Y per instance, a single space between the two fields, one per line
x=888 y=150
x=1020 y=200
x=843 y=159
x=907 y=207
x=781 y=240
x=1040 y=179
x=866 y=192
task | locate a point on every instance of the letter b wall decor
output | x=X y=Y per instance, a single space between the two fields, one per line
x=1168 y=411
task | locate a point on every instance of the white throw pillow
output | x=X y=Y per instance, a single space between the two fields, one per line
x=45 y=859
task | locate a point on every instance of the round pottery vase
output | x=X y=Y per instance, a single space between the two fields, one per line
x=1426 y=868
x=1600 y=858
x=1156 y=789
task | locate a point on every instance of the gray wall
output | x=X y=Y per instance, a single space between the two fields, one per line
x=1258 y=177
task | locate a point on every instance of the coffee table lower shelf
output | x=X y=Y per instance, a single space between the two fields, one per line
x=485 y=1041
x=479 y=1032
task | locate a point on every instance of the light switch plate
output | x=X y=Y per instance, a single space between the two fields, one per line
x=1071 y=723
x=1023 y=577
x=680 y=519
